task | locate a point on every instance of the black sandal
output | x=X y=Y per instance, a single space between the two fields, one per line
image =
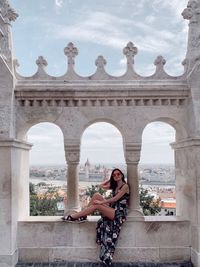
x=82 y=219
x=69 y=218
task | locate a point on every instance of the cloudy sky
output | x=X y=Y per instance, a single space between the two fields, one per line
x=100 y=27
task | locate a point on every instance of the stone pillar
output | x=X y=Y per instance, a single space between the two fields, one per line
x=72 y=154
x=187 y=167
x=11 y=194
x=132 y=157
x=187 y=162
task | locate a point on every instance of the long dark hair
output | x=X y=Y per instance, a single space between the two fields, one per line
x=113 y=183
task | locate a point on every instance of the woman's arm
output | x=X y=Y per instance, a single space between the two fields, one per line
x=105 y=184
x=124 y=190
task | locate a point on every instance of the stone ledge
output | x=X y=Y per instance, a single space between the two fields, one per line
x=98 y=264
x=92 y=219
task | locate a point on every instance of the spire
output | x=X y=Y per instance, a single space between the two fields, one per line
x=7 y=15
x=192 y=14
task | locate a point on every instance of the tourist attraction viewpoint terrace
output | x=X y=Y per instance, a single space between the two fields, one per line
x=72 y=102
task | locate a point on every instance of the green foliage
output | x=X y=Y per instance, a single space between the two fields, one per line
x=45 y=205
x=32 y=189
x=148 y=204
x=91 y=190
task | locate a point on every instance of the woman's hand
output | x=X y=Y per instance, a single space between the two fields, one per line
x=98 y=202
x=105 y=184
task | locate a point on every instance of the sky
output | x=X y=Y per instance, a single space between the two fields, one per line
x=100 y=27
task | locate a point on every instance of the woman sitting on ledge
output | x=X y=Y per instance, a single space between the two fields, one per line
x=113 y=211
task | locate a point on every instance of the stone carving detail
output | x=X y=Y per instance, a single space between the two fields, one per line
x=72 y=154
x=8 y=15
x=195 y=41
x=132 y=156
x=71 y=52
x=4 y=122
x=192 y=11
x=100 y=62
x=41 y=62
x=42 y=102
x=159 y=62
x=130 y=51
x=7 y=12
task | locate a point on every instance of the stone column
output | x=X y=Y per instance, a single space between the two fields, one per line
x=187 y=167
x=132 y=157
x=11 y=195
x=187 y=162
x=72 y=154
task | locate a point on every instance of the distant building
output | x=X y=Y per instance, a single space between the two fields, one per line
x=87 y=169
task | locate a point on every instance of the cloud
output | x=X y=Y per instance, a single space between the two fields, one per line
x=176 y=6
x=59 y=3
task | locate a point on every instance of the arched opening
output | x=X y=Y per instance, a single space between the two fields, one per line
x=157 y=170
x=47 y=179
x=101 y=151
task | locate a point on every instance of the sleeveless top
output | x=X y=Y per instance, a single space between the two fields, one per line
x=121 y=206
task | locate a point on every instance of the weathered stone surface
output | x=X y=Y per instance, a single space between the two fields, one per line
x=129 y=102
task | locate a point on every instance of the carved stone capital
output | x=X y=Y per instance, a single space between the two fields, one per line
x=132 y=153
x=72 y=154
x=192 y=142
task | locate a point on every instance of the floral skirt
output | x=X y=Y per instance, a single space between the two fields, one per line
x=107 y=236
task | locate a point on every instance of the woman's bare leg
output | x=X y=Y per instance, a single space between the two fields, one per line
x=96 y=196
x=103 y=209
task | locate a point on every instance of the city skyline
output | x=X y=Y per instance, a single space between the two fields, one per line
x=100 y=27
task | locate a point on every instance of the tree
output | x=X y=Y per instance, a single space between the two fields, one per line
x=149 y=205
x=91 y=190
x=43 y=205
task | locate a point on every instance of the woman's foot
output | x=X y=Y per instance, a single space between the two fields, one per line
x=82 y=219
x=69 y=218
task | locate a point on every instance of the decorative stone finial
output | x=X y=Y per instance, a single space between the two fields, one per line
x=100 y=62
x=159 y=62
x=7 y=12
x=41 y=62
x=71 y=52
x=192 y=11
x=130 y=51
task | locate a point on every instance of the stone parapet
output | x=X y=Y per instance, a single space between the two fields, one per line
x=157 y=240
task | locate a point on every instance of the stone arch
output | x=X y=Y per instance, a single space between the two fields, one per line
x=114 y=127
x=106 y=120
x=22 y=133
x=51 y=131
x=181 y=132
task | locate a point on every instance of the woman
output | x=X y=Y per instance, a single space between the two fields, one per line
x=113 y=211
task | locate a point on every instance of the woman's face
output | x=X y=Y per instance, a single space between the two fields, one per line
x=117 y=175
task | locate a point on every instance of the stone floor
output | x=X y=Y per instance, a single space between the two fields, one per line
x=97 y=264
